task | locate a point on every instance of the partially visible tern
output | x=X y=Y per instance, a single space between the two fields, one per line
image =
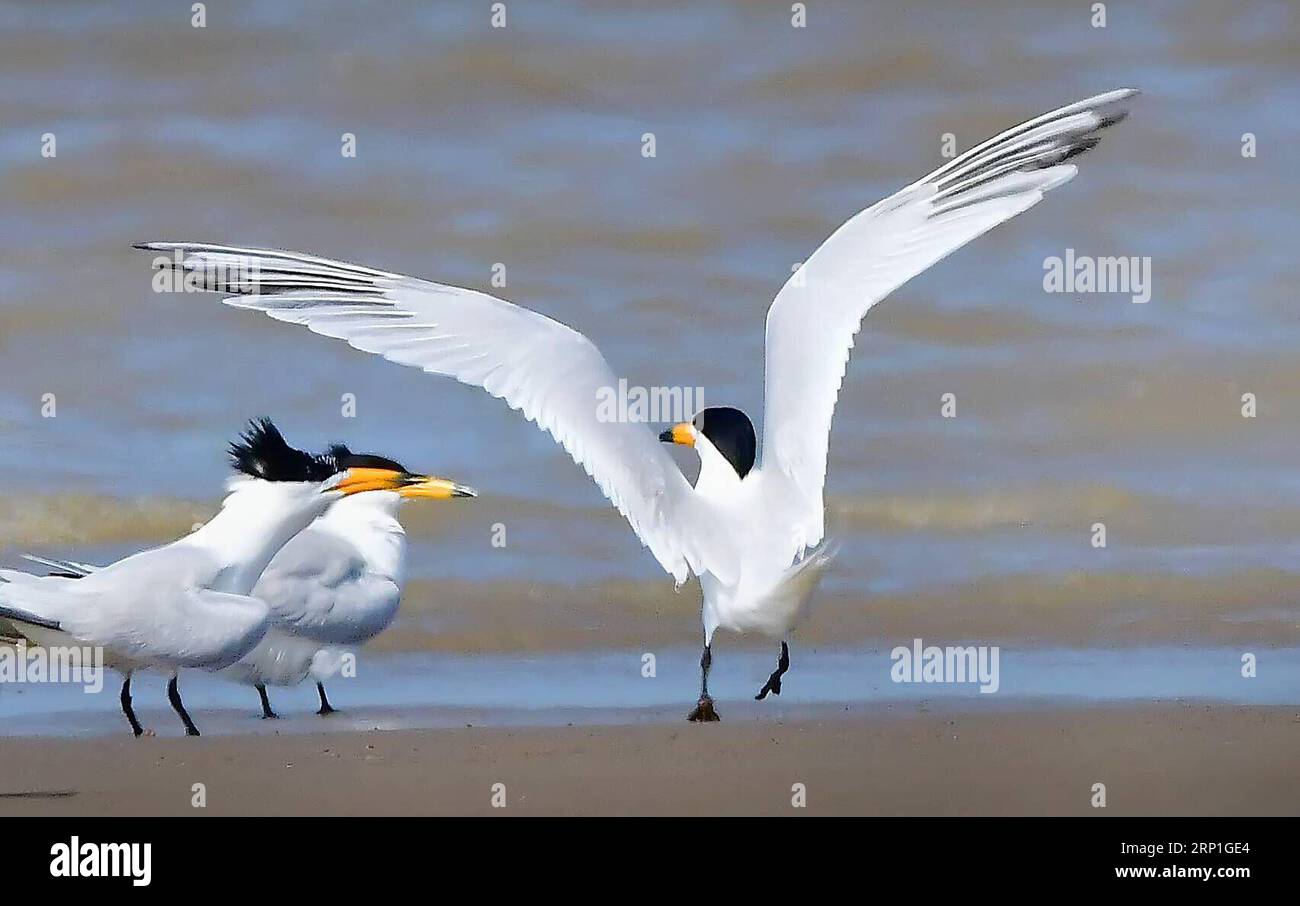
x=190 y=603
x=336 y=585
x=752 y=529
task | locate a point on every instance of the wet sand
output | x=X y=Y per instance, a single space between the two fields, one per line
x=1170 y=759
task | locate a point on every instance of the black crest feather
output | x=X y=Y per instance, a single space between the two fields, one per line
x=262 y=452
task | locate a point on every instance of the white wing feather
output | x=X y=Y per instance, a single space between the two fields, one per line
x=814 y=318
x=124 y=616
x=319 y=587
x=549 y=372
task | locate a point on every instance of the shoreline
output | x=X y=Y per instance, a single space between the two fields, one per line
x=432 y=690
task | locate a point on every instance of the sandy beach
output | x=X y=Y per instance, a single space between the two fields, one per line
x=1174 y=759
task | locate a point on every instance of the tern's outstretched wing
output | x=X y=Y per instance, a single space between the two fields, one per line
x=549 y=372
x=812 y=321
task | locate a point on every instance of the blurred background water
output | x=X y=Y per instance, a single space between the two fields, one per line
x=522 y=146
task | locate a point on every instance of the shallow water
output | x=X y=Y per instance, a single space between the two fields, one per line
x=608 y=687
x=522 y=146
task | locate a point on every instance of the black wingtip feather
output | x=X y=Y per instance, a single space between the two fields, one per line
x=1112 y=119
x=22 y=616
x=1079 y=147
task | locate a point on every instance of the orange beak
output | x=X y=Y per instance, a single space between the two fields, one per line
x=683 y=434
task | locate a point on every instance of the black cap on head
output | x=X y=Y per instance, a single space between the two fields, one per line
x=346 y=459
x=731 y=433
x=261 y=452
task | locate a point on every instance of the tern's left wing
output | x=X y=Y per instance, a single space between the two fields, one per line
x=147 y=621
x=812 y=321
x=546 y=370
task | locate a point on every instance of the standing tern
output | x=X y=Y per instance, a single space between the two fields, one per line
x=752 y=529
x=189 y=603
x=337 y=584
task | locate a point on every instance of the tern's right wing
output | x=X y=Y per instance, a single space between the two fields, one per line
x=319 y=586
x=551 y=373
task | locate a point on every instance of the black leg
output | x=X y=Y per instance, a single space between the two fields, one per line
x=128 y=710
x=325 y=707
x=706 y=661
x=174 y=697
x=773 y=684
x=267 y=713
x=704 y=711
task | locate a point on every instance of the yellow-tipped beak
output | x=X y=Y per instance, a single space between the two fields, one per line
x=359 y=481
x=429 y=488
x=683 y=434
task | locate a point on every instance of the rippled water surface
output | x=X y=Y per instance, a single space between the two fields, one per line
x=522 y=146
